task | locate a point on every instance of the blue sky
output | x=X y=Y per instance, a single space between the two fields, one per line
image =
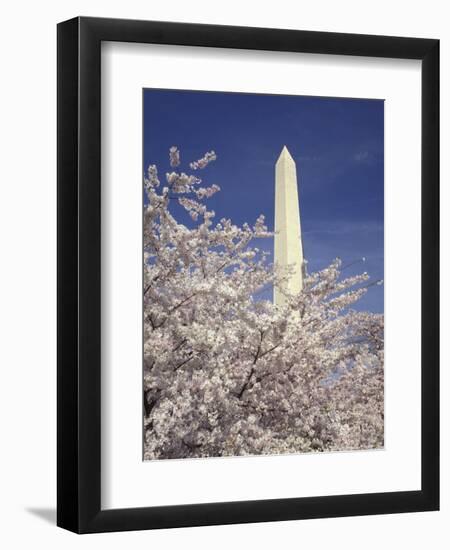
x=338 y=146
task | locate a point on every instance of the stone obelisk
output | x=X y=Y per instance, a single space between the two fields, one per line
x=288 y=238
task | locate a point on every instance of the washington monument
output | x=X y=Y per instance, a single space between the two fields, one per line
x=288 y=236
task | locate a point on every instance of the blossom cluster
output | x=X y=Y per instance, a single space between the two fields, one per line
x=204 y=161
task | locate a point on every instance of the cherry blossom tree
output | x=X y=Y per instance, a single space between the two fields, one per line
x=228 y=373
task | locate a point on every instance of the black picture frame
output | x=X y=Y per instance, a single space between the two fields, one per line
x=79 y=280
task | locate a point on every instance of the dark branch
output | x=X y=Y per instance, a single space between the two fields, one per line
x=149 y=404
x=183 y=363
x=178 y=346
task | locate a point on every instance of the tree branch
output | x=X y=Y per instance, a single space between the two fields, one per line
x=183 y=363
x=178 y=346
x=246 y=383
x=150 y=405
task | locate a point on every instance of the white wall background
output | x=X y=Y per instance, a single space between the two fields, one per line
x=28 y=270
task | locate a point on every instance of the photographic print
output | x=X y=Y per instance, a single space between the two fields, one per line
x=263 y=274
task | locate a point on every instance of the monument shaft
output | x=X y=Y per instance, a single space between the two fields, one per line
x=288 y=239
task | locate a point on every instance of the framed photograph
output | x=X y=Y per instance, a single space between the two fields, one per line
x=248 y=275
